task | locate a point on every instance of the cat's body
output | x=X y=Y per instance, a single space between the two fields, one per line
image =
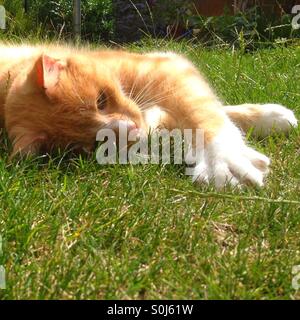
x=56 y=96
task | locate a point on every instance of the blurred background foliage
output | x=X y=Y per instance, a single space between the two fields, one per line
x=53 y=18
x=130 y=20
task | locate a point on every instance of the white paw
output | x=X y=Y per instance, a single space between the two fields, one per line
x=274 y=117
x=228 y=160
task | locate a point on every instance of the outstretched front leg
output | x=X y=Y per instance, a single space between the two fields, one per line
x=189 y=103
x=262 y=118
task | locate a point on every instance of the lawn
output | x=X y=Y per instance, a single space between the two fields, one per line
x=76 y=230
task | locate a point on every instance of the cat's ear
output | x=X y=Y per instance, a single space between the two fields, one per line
x=27 y=145
x=47 y=71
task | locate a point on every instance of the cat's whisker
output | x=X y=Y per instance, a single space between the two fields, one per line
x=143 y=92
x=133 y=87
x=151 y=100
x=155 y=100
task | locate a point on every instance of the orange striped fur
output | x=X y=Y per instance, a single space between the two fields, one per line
x=57 y=97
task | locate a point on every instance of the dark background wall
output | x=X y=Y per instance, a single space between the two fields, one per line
x=218 y=7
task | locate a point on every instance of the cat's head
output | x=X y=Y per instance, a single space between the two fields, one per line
x=61 y=103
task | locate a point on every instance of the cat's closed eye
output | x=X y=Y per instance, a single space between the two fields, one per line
x=102 y=101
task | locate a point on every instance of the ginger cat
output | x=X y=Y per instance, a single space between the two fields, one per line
x=52 y=96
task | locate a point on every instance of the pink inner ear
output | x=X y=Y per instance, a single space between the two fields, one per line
x=48 y=72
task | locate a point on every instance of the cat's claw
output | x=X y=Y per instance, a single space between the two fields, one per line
x=228 y=160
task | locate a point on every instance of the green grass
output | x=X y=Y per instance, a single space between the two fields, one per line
x=73 y=229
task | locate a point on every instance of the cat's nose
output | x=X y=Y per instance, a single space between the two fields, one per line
x=123 y=125
x=131 y=128
x=126 y=128
x=127 y=124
